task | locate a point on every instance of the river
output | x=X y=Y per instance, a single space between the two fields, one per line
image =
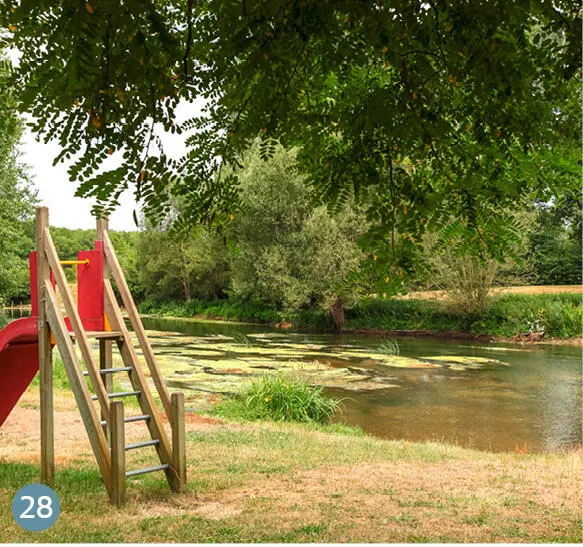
x=515 y=397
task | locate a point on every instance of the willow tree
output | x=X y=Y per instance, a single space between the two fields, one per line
x=427 y=111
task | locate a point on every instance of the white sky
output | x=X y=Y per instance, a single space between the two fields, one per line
x=58 y=193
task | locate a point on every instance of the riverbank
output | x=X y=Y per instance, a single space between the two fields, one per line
x=266 y=482
x=509 y=317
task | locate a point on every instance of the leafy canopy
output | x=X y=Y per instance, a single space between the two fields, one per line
x=427 y=111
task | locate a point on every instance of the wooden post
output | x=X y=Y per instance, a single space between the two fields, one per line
x=45 y=357
x=118 y=454
x=106 y=362
x=178 y=441
x=78 y=385
x=105 y=346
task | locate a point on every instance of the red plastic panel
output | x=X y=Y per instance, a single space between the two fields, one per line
x=90 y=289
x=18 y=361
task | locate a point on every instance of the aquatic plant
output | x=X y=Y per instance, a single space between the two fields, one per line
x=390 y=346
x=240 y=338
x=281 y=398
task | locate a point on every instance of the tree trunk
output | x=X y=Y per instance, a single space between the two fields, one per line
x=186 y=285
x=337 y=313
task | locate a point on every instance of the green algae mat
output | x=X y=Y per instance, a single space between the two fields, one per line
x=219 y=364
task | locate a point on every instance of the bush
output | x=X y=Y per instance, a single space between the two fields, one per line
x=234 y=309
x=549 y=315
x=280 y=398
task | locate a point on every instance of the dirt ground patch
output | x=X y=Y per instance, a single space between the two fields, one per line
x=20 y=433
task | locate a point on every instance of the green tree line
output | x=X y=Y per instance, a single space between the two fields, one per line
x=282 y=250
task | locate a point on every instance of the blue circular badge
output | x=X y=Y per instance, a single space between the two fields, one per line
x=35 y=507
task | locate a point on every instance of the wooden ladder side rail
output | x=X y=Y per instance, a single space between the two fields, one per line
x=118 y=454
x=80 y=334
x=136 y=322
x=139 y=383
x=105 y=346
x=78 y=385
x=45 y=356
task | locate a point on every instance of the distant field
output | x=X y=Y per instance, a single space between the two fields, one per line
x=528 y=289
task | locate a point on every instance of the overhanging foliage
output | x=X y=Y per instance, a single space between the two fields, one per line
x=427 y=111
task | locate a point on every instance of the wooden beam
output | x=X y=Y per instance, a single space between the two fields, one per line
x=102 y=226
x=136 y=322
x=45 y=357
x=118 y=455
x=106 y=362
x=76 y=323
x=78 y=385
x=178 y=439
x=139 y=383
x=105 y=346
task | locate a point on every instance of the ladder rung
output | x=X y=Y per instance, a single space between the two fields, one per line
x=110 y=370
x=119 y=394
x=129 y=419
x=147 y=470
x=102 y=334
x=133 y=446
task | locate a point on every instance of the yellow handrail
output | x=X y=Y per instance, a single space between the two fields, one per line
x=73 y=262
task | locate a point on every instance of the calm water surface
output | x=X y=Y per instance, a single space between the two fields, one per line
x=535 y=401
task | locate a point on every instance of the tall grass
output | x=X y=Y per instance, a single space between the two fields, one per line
x=232 y=309
x=280 y=398
x=549 y=315
x=60 y=380
x=556 y=315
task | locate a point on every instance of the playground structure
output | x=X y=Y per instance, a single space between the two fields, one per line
x=26 y=347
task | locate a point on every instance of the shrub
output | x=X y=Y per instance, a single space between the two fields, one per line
x=280 y=398
x=234 y=309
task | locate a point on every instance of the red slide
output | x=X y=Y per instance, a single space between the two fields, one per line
x=18 y=361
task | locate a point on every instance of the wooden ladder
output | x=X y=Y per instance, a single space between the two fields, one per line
x=105 y=427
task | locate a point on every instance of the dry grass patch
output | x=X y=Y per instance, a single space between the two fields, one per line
x=495 y=291
x=267 y=482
